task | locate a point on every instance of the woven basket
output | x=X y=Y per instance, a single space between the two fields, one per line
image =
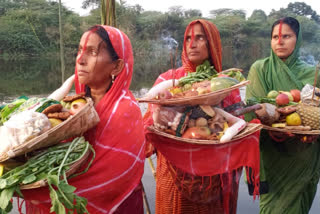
x=249 y=129
x=73 y=168
x=212 y=98
x=74 y=126
x=311 y=132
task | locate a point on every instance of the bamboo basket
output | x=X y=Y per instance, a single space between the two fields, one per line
x=74 y=126
x=249 y=129
x=212 y=98
x=73 y=168
x=311 y=132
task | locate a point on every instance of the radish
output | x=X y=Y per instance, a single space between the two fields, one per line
x=237 y=125
x=61 y=92
x=154 y=91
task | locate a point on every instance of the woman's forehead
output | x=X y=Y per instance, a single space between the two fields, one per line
x=197 y=28
x=92 y=39
x=284 y=29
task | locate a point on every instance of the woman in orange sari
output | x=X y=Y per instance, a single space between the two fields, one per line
x=104 y=69
x=200 y=179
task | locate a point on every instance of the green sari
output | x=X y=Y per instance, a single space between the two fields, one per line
x=291 y=168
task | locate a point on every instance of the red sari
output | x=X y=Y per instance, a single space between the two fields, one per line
x=201 y=179
x=112 y=183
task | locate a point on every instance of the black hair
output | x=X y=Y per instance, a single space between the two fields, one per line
x=103 y=34
x=292 y=22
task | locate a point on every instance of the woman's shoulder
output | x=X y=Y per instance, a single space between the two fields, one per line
x=260 y=63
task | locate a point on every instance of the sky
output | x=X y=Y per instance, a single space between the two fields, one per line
x=203 y=5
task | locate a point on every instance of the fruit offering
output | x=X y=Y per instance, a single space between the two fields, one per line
x=198 y=122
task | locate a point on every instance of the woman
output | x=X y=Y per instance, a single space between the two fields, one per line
x=291 y=168
x=213 y=187
x=104 y=69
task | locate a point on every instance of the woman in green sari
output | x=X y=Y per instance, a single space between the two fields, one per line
x=289 y=168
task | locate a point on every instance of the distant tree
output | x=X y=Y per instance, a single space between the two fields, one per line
x=302 y=9
x=258 y=16
x=192 y=13
x=176 y=10
x=227 y=12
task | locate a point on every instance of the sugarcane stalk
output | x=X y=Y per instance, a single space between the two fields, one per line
x=315 y=81
x=152 y=168
x=145 y=200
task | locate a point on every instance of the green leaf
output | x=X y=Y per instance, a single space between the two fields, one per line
x=53 y=180
x=66 y=188
x=57 y=206
x=29 y=179
x=5 y=197
x=3 y=183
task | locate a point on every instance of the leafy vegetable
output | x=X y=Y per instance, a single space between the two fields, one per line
x=52 y=165
x=254 y=100
x=203 y=72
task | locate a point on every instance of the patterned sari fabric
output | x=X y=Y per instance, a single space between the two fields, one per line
x=290 y=168
x=198 y=178
x=119 y=143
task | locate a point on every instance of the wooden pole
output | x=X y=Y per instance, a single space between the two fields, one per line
x=62 y=63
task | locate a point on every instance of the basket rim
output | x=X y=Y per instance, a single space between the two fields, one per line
x=181 y=100
x=311 y=132
x=249 y=129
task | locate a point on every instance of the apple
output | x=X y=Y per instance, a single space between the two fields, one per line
x=77 y=105
x=272 y=94
x=197 y=133
x=289 y=95
x=282 y=99
x=296 y=95
x=165 y=95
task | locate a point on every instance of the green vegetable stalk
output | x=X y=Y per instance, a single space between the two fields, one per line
x=203 y=72
x=51 y=165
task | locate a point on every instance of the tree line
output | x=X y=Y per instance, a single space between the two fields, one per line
x=30 y=28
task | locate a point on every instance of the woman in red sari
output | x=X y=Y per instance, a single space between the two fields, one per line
x=104 y=69
x=200 y=179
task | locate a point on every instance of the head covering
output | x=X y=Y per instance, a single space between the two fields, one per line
x=214 y=45
x=118 y=141
x=272 y=73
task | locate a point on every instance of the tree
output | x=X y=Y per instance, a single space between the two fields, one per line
x=192 y=13
x=227 y=12
x=258 y=16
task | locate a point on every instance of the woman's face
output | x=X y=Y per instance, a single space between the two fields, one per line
x=94 y=63
x=196 y=48
x=283 y=46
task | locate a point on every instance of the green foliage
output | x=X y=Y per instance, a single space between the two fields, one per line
x=32 y=30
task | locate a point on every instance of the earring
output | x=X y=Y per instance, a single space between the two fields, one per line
x=112 y=78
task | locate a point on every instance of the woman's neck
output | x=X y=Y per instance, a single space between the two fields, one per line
x=97 y=93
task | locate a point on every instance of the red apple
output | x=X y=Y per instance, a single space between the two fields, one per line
x=296 y=95
x=76 y=106
x=282 y=99
x=197 y=133
x=165 y=95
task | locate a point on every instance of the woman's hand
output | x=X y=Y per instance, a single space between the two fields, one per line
x=307 y=138
x=280 y=136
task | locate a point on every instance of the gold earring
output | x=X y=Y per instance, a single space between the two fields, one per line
x=112 y=78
